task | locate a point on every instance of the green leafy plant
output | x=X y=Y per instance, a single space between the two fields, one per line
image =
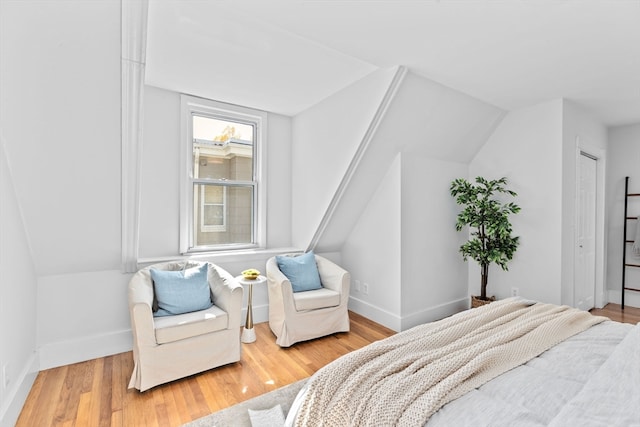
x=490 y=239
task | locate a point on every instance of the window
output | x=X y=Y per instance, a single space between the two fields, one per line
x=213 y=208
x=221 y=194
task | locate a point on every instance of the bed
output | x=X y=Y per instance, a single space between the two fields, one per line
x=510 y=363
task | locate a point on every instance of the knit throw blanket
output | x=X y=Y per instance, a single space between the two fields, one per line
x=402 y=380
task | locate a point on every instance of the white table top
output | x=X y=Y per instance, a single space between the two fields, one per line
x=257 y=280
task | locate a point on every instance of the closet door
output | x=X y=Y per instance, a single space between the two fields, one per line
x=585 y=262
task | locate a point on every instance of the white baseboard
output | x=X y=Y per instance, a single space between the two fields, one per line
x=260 y=313
x=631 y=299
x=401 y=323
x=63 y=353
x=73 y=351
x=438 y=312
x=17 y=395
x=377 y=314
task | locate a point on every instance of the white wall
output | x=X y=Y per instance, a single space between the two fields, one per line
x=160 y=176
x=82 y=316
x=372 y=253
x=623 y=160
x=18 y=292
x=62 y=129
x=434 y=276
x=60 y=112
x=527 y=149
x=435 y=130
x=405 y=246
x=326 y=138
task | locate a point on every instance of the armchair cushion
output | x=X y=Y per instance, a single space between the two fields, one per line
x=175 y=328
x=301 y=270
x=181 y=291
x=318 y=298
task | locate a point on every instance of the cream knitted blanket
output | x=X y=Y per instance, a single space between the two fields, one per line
x=402 y=380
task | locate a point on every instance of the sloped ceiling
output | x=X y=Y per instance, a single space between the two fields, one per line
x=213 y=50
x=444 y=124
x=286 y=55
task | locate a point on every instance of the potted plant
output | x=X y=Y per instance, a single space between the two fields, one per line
x=490 y=239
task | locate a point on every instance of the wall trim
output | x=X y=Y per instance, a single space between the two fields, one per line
x=389 y=96
x=401 y=323
x=437 y=312
x=67 y=352
x=631 y=299
x=133 y=55
x=17 y=394
x=62 y=353
x=377 y=314
x=260 y=313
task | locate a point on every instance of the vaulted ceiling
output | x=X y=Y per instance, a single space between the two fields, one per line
x=286 y=55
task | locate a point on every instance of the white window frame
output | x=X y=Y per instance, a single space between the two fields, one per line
x=190 y=105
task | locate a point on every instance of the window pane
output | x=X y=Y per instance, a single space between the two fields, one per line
x=222 y=149
x=222 y=214
x=213 y=203
x=213 y=215
x=213 y=194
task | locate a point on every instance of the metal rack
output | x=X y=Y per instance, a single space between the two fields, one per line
x=626 y=241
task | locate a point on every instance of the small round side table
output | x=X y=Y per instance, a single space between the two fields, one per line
x=248 y=333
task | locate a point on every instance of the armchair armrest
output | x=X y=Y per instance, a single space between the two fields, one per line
x=140 y=309
x=333 y=276
x=143 y=330
x=141 y=289
x=279 y=287
x=227 y=294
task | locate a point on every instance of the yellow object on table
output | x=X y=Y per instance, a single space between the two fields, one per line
x=250 y=274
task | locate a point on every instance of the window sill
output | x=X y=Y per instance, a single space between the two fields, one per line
x=244 y=255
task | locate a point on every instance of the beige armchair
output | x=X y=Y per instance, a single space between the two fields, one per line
x=301 y=316
x=171 y=347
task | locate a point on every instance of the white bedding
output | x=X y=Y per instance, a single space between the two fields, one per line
x=540 y=392
x=591 y=379
x=612 y=395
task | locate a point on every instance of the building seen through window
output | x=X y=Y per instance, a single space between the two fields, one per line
x=223 y=181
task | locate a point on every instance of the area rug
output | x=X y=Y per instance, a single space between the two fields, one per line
x=238 y=415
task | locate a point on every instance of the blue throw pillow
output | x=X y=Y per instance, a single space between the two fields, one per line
x=302 y=271
x=181 y=291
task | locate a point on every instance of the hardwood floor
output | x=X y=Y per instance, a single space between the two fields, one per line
x=615 y=312
x=94 y=393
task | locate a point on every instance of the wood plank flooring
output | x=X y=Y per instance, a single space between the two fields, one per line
x=94 y=393
x=615 y=312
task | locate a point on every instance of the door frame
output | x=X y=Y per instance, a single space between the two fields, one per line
x=583 y=147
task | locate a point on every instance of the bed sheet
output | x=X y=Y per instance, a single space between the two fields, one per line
x=535 y=393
